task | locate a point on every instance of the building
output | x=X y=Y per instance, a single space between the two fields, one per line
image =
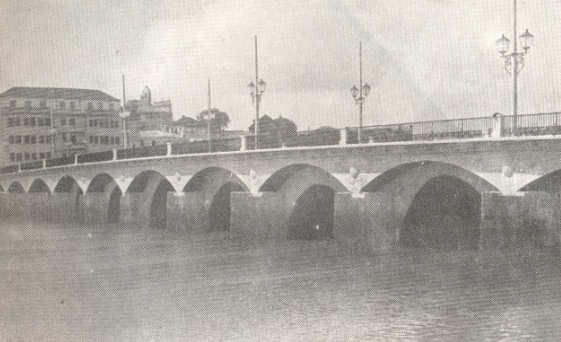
x=42 y=123
x=148 y=115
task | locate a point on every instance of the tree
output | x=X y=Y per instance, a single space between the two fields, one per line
x=285 y=127
x=220 y=120
x=266 y=126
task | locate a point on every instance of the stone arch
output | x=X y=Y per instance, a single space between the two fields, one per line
x=306 y=194
x=550 y=182
x=206 y=177
x=445 y=214
x=101 y=182
x=426 y=195
x=67 y=184
x=16 y=187
x=150 y=190
x=313 y=214
x=39 y=185
x=103 y=199
x=211 y=188
x=280 y=177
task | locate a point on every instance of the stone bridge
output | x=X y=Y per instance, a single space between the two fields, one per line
x=485 y=192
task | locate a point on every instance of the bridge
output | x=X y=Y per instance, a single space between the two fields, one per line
x=482 y=186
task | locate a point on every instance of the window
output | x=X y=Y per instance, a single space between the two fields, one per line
x=112 y=106
x=43 y=104
x=47 y=122
x=12 y=156
x=39 y=121
x=19 y=157
x=117 y=141
x=72 y=122
x=10 y=122
x=41 y=139
x=48 y=139
x=63 y=122
x=32 y=122
x=73 y=139
x=100 y=105
x=41 y=155
x=72 y=105
x=62 y=105
x=34 y=156
x=90 y=106
x=33 y=139
x=18 y=139
x=91 y=139
x=11 y=139
x=48 y=155
x=26 y=121
x=96 y=140
x=64 y=137
x=17 y=122
x=13 y=103
x=27 y=104
x=26 y=156
x=26 y=139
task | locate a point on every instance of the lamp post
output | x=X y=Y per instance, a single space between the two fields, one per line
x=209 y=115
x=514 y=62
x=359 y=94
x=256 y=90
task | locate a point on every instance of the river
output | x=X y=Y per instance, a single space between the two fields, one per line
x=109 y=283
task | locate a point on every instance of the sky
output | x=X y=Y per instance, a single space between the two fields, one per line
x=425 y=59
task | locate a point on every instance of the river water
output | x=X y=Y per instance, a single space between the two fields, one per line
x=111 y=283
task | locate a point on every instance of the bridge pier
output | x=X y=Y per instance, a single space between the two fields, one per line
x=39 y=207
x=526 y=219
x=366 y=224
x=186 y=212
x=258 y=218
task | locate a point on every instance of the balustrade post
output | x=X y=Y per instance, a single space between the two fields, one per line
x=343 y=137
x=76 y=159
x=168 y=149
x=19 y=167
x=44 y=163
x=243 y=145
x=114 y=154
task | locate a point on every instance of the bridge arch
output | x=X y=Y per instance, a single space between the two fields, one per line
x=550 y=182
x=16 y=187
x=106 y=190
x=67 y=183
x=214 y=186
x=152 y=187
x=308 y=193
x=435 y=204
x=39 y=185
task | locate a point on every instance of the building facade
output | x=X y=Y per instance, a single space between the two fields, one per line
x=44 y=123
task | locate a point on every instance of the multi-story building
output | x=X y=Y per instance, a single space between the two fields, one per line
x=148 y=115
x=43 y=123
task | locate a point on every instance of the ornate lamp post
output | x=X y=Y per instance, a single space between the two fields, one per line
x=256 y=90
x=514 y=63
x=359 y=94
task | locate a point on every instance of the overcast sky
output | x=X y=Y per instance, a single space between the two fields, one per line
x=426 y=59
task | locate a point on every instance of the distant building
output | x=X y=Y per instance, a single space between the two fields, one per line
x=42 y=123
x=148 y=115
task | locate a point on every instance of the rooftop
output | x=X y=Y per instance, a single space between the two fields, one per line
x=58 y=93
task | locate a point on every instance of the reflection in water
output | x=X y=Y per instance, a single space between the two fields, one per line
x=129 y=284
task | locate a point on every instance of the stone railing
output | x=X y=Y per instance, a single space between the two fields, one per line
x=466 y=128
